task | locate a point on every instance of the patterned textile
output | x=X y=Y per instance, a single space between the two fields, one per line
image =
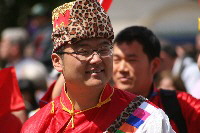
x=137 y=118
x=133 y=106
x=132 y=117
x=78 y=20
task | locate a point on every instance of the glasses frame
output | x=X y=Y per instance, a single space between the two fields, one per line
x=91 y=53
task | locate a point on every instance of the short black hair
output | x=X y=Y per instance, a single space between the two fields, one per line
x=150 y=43
x=170 y=50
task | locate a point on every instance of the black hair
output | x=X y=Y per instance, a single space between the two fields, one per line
x=170 y=50
x=149 y=42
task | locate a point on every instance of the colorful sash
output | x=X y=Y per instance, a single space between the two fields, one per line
x=132 y=117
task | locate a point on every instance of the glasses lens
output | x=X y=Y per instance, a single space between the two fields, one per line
x=84 y=54
x=105 y=51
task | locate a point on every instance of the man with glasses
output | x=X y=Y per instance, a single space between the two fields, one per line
x=83 y=36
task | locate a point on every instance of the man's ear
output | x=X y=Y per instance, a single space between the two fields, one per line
x=57 y=62
x=155 y=65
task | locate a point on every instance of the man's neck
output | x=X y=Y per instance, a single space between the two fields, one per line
x=84 y=98
x=151 y=90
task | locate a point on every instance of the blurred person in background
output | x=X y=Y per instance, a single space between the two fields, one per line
x=197 y=44
x=35 y=72
x=168 y=57
x=186 y=67
x=180 y=62
x=136 y=60
x=28 y=89
x=165 y=80
x=40 y=29
x=13 y=44
x=196 y=90
x=12 y=108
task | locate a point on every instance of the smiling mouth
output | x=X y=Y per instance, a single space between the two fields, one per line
x=94 y=71
x=125 y=79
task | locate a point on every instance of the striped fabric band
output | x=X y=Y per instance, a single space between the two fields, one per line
x=137 y=118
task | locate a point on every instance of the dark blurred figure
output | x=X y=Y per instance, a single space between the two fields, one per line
x=28 y=90
x=13 y=42
x=166 y=80
x=186 y=67
x=40 y=29
x=168 y=57
x=179 y=60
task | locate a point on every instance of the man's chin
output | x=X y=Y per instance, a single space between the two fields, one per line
x=125 y=88
x=95 y=83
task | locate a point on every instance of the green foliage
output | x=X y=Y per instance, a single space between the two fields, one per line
x=15 y=12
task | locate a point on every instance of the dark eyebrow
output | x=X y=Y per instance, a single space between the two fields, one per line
x=131 y=55
x=127 y=55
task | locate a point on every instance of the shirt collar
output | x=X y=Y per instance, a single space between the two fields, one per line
x=106 y=93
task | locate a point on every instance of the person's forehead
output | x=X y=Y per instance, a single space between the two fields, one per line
x=92 y=42
x=123 y=52
x=132 y=49
x=129 y=46
x=5 y=40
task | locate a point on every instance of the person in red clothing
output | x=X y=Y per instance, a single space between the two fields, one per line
x=12 y=109
x=136 y=60
x=82 y=36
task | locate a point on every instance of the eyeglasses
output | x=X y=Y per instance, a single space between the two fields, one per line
x=85 y=53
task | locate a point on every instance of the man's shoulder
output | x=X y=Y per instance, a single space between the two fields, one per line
x=149 y=107
x=124 y=94
x=145 y=117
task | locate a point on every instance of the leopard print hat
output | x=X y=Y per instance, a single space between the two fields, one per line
x=78 y=20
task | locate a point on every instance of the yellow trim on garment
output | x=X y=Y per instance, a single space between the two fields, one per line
x=72 y=113
x=53 y=107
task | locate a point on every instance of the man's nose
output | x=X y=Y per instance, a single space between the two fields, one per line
x=123 y=66
x=95 y=58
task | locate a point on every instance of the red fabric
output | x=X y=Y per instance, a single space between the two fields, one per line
x=11 y=98
x=95 y=120
x=9 y=123
x=47 y=96
x=105 y=4
x=63 y=18
x=190 y=107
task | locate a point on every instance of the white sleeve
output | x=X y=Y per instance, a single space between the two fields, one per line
x=157 y=122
